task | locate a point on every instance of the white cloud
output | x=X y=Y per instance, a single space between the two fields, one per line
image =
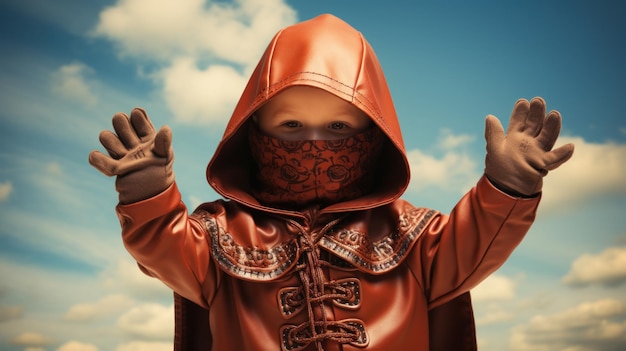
x=145 y=346
x=598 y=326
x=149 y=320
x=235 y=32
x=70 y=82
x=77 y=346
x=225 y=39
x=495 y=288
x=47 y=295
x=106 y=306
x=448 y=140
x=606 y=268
x=487 y=297
x=539 y=300
x=483 y=344
x=493 y=315
x=31 y=339
x=6 y=189
x=58 y=114
x=125 y=275
x=196 y=95
x=455 y=170
x=595 y=170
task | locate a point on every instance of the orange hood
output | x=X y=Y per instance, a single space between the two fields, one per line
x=327 y=53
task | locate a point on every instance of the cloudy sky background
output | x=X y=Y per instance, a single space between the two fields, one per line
x=66 y=282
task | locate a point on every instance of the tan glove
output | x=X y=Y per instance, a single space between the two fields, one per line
x=140 y=158
x=517 y=162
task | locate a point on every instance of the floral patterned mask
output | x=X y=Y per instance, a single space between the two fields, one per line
x=300 y=173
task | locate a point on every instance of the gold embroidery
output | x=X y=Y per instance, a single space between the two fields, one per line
x=250 y=262
x=350 y=245
x=382 y=255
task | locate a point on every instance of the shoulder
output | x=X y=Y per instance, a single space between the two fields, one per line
x=246 y=243
x=378 y=240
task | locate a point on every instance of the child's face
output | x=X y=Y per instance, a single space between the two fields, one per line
x=308 y=113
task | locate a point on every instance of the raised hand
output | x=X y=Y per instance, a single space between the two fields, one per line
x=518 y=161
x=140 y=157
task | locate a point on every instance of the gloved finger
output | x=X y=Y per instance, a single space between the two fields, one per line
x=141 y=124
x=557 y=157
x=163 y=142
x=535 y=117
x=535 y=163
x=125 y=131
x=518 y=116
x=550 y=131
x=494 y=132
x=112 y=144
x=103 y=163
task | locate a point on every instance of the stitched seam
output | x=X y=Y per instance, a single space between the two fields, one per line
x=201 y=217
x=266 y=91
x=269 y=63
x=487 y=249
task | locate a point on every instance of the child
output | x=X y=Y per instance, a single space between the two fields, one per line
x=314 y=250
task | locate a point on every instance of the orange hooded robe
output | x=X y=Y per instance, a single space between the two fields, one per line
x=386 y=275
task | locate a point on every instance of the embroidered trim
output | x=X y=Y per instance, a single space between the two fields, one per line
x=348 y=293
x=250 y=262
x=354 y=247
x=383 y=255
x=344 y=293
x=291 y=301
x=348 y=331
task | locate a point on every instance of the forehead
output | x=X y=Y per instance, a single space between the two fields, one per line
x=305 y=100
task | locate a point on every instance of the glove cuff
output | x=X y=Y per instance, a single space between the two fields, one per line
x=510 y=191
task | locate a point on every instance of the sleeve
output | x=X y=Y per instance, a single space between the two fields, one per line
x=170 y=245
x=457 y=251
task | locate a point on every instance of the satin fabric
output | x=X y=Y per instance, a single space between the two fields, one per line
x=371 y=272
x=328 y=54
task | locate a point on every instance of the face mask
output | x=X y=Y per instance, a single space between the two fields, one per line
x=314 y=172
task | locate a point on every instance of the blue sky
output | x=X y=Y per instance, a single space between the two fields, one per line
x=66 y=282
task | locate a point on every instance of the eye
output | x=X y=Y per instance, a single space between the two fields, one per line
x=291 y=124
x=337 y=126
